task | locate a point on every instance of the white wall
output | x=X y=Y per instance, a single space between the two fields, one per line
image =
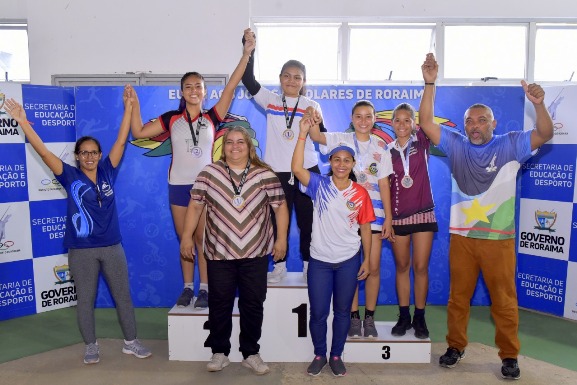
x=175 y=36
x=12 y=10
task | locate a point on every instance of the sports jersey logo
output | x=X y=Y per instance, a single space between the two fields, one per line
x=545 y=220
x=492 y=167
x=350 y=205
x=373 y=169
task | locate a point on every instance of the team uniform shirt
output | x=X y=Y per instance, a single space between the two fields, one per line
x=280 y=141
x=188 y=159
x=484 y=182
x=373 y=159
x=419 y=197
x=91 y=215
x=337 y=216
x=237 y=232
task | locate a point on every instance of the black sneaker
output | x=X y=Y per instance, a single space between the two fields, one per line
x=400 y=329
x=185 y=297
x=510 y=369
x=420 y=327
x=202 y=300
x=337 y=366
x=317 y=365
x=451 y=357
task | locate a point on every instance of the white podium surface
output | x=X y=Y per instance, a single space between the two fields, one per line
x=285 y=335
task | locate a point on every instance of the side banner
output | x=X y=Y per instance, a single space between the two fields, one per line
x=547 y=262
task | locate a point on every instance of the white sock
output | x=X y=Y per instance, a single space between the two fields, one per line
x=189 y=285
x=203 y=286
x=280 y=265
x=305 y=265
x=128 y=342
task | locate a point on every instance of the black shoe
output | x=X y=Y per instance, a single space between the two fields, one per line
x=451 y=357
x=317 y=365
x=337 y=366
x=510 y=369
x=420 y=327
x=400 y=329
x=202 y=300
x=185 y=297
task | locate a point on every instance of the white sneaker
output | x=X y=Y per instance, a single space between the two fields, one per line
x=276 y=275
x=256 y=363
x=217 y=362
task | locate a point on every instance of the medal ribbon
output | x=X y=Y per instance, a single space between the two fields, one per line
x=359 y=156
x=289 y=123
x=196 y=137
x=406 y=160
x=238 y=189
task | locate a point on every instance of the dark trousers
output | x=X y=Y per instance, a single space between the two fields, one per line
x=224 y=278
x=303 y=206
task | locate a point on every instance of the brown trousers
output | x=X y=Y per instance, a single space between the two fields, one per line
x=496 y=259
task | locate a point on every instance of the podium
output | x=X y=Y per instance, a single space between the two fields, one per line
x=285 y=335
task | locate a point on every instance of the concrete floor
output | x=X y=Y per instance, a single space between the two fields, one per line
x=64 y=366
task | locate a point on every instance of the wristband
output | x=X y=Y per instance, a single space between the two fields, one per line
x=302 y=138
x=429 y=84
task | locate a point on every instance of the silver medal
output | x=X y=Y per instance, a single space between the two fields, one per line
x=407 y=181
x=196 y=152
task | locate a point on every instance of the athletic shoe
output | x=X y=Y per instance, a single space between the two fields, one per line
x=510 y=369
x=91 y=354
x=185 y=297
x=256 y=363
x=317 y=365
x=355 y=328
x=137 y=349
x=420 y=327
x=276 y=275
x=451 y=358
x=202 y=300
x=218 y=361
x=337 y=366
x=369 y=329
x=400 y=329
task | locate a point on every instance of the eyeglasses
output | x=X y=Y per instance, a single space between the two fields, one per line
x=86 y=154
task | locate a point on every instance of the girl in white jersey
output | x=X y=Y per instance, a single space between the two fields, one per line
x=192 y=132
x=283 y=114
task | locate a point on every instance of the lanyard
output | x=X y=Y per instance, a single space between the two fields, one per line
x=196 y=137
x=289 y=123
x=361 y=156
x=402 y=154
x=238 y=189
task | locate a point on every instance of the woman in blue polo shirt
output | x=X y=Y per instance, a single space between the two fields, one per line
x=92 y=231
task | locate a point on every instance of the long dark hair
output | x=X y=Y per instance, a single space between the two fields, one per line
x=187 y=75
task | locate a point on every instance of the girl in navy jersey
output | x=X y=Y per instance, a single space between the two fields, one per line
x=283 y=113
x=92 y=231
x=343 y=213
x=192 y=131
x=414 y=220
